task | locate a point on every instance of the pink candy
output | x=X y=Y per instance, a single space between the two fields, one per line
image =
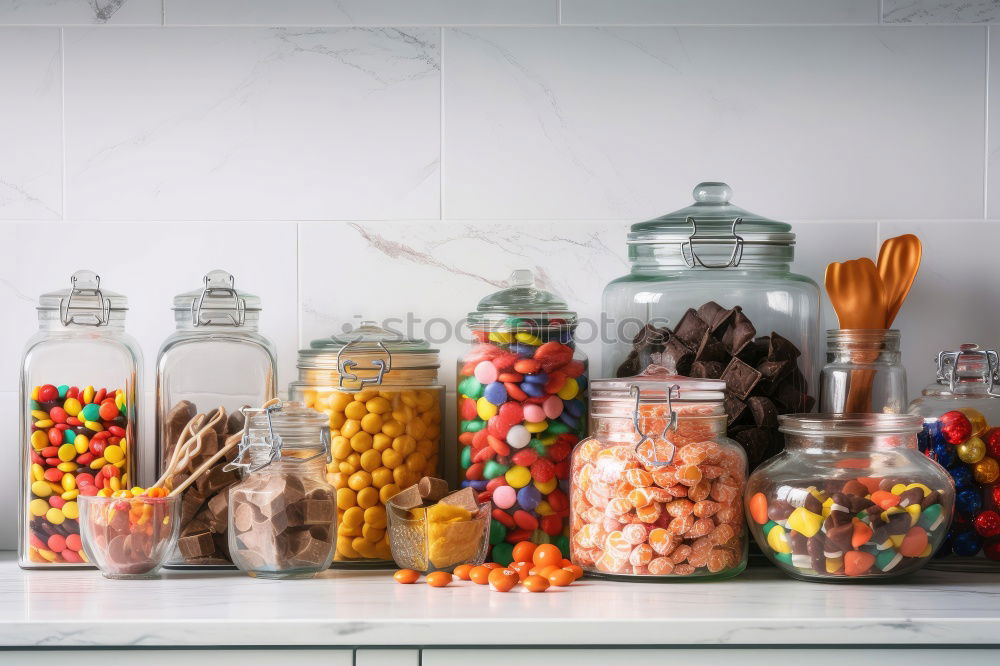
x=504 y=497
x=534 y=413
x=486 y=372
x=552 y=406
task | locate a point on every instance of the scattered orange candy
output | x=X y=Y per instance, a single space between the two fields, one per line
x=503 y=580
x=523 y=569
x=406 y=576
x=492 y=565
x=574 y=569
x=439 y=579
x=561 y=577
x=462 y=571
x=546 y=554
x=480 y=575
x=523 y=551
x=536 y=584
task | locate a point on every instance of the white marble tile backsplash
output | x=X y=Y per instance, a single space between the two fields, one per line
x=407 y=166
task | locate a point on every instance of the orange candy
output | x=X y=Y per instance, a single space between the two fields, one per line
x=523 y=551
x=857 y=562
x=523 y=569
x=914 y=543
x=492 y=565
x=503 y=580
x=885 y=499
x=406 y=576
x=480 y=575
x=862 y=533
x=536 y=584
x=439 y=579
x=561 y=577
x=546 y=554
x=462 y=571
x=577 y=571
x=758 y=508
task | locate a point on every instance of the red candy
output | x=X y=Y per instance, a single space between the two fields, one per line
x=467 y=410
x=988 y=524
x=525 y=520
x=58 y=414
x=956 y=427
x=992 y=439
x=553 y=355
x=991 y=549
x=48 y=393
x=542 y=470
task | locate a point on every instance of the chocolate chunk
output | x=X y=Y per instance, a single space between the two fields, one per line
x=221 y=426
x=736 y=410
x=781 y=349
x=235 y=422
x=706 y=369
x=244 y=517
x=778 y=510
x=196 y=545
x=675 y=357
x=317 y=512
x=178 y=417
x=191 y=504
x=630 y=367
x=932 y=498
x=813 y=504
x=711 y=313
x=798 y=542
x=839 y=537
x=307 y=551
x=218 y=507
x=691 y=329
x=836 y=519
x=815 y=547
x=789 y=398
x=756 y=442
x=740 y=378
x=710 y=349
x=855 y=487
x=754 y=352
x=432 y=489
x=215 y=480
x=739 y=333
x=764 y=412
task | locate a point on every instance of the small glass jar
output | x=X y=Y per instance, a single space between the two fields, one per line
x=863 y=374
x=282 y=513
x=80 y=377
x=657 y=489
x=215 y=358
x=961 y=413
x=522 y=407
x=851 y=498
x=381 y=394
x=711 y=295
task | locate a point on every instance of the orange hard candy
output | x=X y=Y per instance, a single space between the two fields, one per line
x=857 y=562
x=914 y=543
x=758 y=508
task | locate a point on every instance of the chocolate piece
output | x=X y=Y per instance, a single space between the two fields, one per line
x=932 y=498
x=756 y=442
x=739 y=333
x=713 y=314
x=798 y=542
x=406 y=499
x=218 y=507
x=309 y=553
x=736 y=410
x=839 y=537
x=215 y=480
x=813 y=504
x=222 y=425
x=740 y=378
x=675 y=357
x=855 y=487
x=465 y=498
x=191 y=504
x=432 y=489
x=691 y=329
x=316 y=512
x=178 y=417
x=196 y=545
x=235 y=422
x=706 y=369
x=781 y=349
x=244 y=518
x=778 y=510
x=790 y=398
x=754 y=352
x=710 y=349
x=764 y=412
x=815 y=547
x=630 y=367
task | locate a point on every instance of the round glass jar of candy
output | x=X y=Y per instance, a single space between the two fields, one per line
x=711 y=295
x=380 y=391
x=80 y=375
x=282 y=513
x=961 y=413
x=657 y=489
x=522 y=406
x=850 y=498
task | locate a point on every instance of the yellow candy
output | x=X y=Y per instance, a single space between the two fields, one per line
x=81 y=444
x=986 y=471
x=569 y=389
x=976 y=418
x=93 y=425
x=896 y=539
x=71 y=510
x=55 y=516
x=39 y=440
x=485 y=409
x=925 y=489
x=39 y=415
x=47 y=423
x=971 y=451
x=447 y=513
x=41 y=488
x=777 y=540
x=88 y=395
x=37 y=472
x=68 y=482
x=72 y=406
x=927 y=551
x=544 y=508
x=70 y=495
x=518 y=476
x=914 y=511
x=528 y=339
x=834 y=564
x=38 y=507
x=546 y=487
x=98 y=463
x=805 y=522
x=898 y=489
x=541 y=426
x=502 y=338
x=827 y=507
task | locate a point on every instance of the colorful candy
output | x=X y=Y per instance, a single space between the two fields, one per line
x=128 y=532
x=78 y=445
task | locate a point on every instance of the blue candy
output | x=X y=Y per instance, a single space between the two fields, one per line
x=568 y=419
x=969 y=503
x=522 y=350
x=566 y=337
x=529 y=497
x=962 y=476
x=495 y=393
x=574 y=406
x=581 y=382
x=944 y=454
x=966 y=544
x=934 y=433
x=532 y=389
x=539 y=378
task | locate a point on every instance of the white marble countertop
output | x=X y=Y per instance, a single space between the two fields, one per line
x=343 y=608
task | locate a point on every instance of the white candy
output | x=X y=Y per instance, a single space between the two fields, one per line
x=518 y=436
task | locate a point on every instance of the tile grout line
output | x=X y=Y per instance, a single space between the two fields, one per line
x=62 y=116
x=986 y=130
x=441 y=127
x=878 y=19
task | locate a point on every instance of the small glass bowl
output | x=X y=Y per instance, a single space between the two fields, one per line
x=426 y=545
x=129 y=537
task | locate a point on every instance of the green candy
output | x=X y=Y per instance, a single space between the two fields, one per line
x=503 y=553
x=784 y=558
x=471 y=388
x=473 y=425
x=888 y=559
x=562 y=543
x=768 y=526
x=492 y=469
x=465 y=460
x=63 y=390
x=557 y=428
x=537 y=445
x=497 y=532
x=91 y=412
x=931 y=518
x=35 y=405
x=513 y=322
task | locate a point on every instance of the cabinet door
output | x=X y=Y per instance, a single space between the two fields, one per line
x=223 y=657
x=380 y=657
x=706 y=657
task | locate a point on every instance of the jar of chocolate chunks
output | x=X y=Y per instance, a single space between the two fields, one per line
x=282 y=514
x=711 y=295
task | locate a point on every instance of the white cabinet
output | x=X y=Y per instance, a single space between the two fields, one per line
x=219 y=657
x=383 y=657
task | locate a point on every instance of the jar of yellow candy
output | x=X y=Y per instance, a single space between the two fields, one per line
x=381 y=392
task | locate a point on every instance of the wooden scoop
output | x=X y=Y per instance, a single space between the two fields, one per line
x=898 y=262
x=857 y=294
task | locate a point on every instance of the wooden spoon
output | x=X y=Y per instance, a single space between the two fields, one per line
x=856 y=291
x=898 y=262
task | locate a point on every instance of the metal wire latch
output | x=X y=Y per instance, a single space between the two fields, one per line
x=968 y=353
x=91 y=307
x=230 y=312
x=345 y=366
x=673 y=392
x=691 y=257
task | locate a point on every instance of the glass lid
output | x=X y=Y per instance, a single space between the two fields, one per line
x=656 y=384
x=218 y=302
x=712 y=219
x=84 y=302
x=368 y=346
x=521 y=305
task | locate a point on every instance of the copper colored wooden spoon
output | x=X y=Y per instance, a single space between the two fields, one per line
x=898 y=261
x=856 y=291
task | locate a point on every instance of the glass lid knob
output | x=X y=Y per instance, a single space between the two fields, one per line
x=712 y=193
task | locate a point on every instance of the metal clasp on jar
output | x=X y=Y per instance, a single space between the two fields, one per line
x=231 y=312
x=969 y=354
x=91 y=307
x=691 y=257
x=673 y=392
x=346 y=365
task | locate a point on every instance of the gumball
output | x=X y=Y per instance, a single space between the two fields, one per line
x=987 y=524
x=968 y=502
x=955 y=426
x=518 y=437
x=944 y=454
x=966 y=544
x=992 y=439
x=962 y=476
x=546 y=554
x=986 y=471
x=976 y=418
x=971 y=451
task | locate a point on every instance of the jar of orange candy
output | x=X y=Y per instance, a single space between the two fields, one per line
x=656 y=490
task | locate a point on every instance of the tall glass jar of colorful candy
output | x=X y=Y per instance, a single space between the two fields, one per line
x=80 y=377
x=380 y=391
x=657 y=488
x=711 y=295
x=961 y=412
x=522 y=406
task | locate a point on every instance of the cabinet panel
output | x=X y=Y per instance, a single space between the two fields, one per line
x=377 y=657
x=223 y=657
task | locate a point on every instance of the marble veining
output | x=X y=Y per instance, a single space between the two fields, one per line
x=940 y=11
x=80 y=608
x=77 y=12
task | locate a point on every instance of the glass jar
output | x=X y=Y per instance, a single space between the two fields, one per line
x=215 y=358
x=863 y=374
x=80 y=376
x=711 y=295
x=961 y=413
x=522 y=407
x=850 y=498
x=657 y=489
x=380 y=391
x=282 y=513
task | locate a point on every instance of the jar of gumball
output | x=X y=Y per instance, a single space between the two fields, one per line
x=80 y=376
x=657 y=489
x=849 y=499
x=961 y=431
x=381 y=393
x=522 y=406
